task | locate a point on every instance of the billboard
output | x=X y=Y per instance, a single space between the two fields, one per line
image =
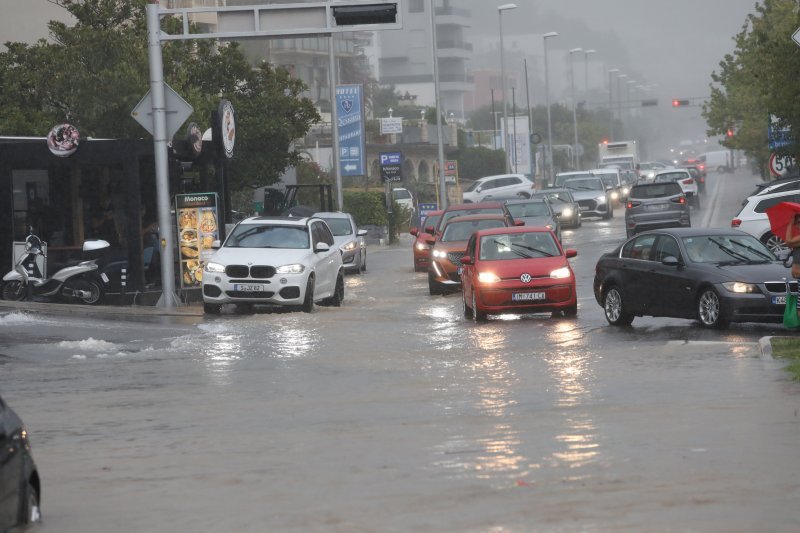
x=350 y=129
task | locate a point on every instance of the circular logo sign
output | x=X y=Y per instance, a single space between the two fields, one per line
x=525 y=278
x=63 y=140
x=194 y=136
x=227 y=127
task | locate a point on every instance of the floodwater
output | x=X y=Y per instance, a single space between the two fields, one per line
x=393 y=413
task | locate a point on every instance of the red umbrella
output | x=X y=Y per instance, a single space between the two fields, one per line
x=781 y=216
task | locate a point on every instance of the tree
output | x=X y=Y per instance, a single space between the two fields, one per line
x=759 y=78
x=92 y=74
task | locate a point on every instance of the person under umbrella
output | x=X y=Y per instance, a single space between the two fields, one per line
x=784 y=221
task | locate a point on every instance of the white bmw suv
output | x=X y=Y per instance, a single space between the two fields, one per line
x=275 y=261
x=753 y=219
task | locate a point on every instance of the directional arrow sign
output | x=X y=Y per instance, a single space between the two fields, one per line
x=796 y=36
x=177 y=110
x=350 y=168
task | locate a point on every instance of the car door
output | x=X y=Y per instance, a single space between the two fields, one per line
x=635 y=267
x=10 y=468
x=672 y=285
x=326 y=261
x=468 y=272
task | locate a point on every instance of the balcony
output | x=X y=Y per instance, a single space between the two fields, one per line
x=453 y=16
x=454 y=49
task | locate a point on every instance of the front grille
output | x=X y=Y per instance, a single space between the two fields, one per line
x=237 y=271
x=590 y=205
x=780 y=286
x=250 y=294
x=211 y=291
x=455 y=257
x=260 y=271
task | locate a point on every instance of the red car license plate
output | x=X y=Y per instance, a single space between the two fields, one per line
x=527 y=296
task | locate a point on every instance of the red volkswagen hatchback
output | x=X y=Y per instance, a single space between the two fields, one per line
x=517 y=270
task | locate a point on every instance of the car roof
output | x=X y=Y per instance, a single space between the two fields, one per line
x=284 y=221
x=671 y=171
x=574 y=173
x=477 y=205
x=467 y=218
x=432 y=213
x=502 y=176
x=513 y=229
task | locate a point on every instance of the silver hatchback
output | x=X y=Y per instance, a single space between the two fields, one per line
x=654 y=206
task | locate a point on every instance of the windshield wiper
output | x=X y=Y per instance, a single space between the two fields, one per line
x=757 y=252
x=532 y=249
x=736 y=255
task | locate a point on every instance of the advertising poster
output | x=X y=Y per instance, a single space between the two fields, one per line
x=350 y=129
x=197 y=216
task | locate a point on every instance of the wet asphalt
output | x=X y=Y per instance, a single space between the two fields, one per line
x=393 y=413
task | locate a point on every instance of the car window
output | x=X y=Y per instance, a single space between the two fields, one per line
x=671 y=176
x=562 y=178
x=667 y=246
x=655 y=190
x=339 y=226
x=529 y=209
x=463 y=212
x=432 y=220
x=401 y=194
x=475 y=185
x=593 y=184
x=508 y=182
x=786 y=187
x=763 y=205
x=461 y=230
x=471 y=246
x=726 y=248
x=267 y=236
x=518 y=246
x=609 y=179
x=639 y=248
x=489 y=184
x=326 y=235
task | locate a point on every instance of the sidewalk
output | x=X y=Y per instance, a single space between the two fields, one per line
x=104 y=310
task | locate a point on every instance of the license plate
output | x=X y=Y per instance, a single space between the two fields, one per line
x=249 y=287
x=583 y=207
x=527 y=296
x=460 y=270
x=781 y=300
x=656 y=207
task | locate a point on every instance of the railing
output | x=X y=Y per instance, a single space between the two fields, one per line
x=441 y=11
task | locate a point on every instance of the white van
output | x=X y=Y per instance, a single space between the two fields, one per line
x=719 y=160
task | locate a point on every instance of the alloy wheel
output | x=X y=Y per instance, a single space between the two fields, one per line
x=708 y=308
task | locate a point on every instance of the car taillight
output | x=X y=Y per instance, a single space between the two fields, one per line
x=631 y=205
x=679 y=200
x=702 y=179
x=735 y=223
x=702 y=167
x=687 y=181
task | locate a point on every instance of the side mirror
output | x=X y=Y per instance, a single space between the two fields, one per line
x=321 y=247
x=670 y=261
x=430 y=229
x=570 y=253
x=216 y=244
x=430 y=240
x=479 y=189
x=519 y=222
x=413 y=231
x=363 y=232
x=466 y=260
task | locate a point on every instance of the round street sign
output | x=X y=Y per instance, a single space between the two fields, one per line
x=780 y=164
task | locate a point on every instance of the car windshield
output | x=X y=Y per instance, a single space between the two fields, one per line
x=655 y=190
x=555 y=197
x=401 y=194
x=670 y=176
x=609 y=179
x=594 y=184
x=339 y=226
x=517 y=246
x=561 y=179
x=464 y=212
x=432 y=220
x=475 y=185
x=726 y=249
x=461 y=230
x=268 y=236
x=528 y=209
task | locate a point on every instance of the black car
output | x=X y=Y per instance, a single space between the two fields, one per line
x=20 y=489
x=716 y=276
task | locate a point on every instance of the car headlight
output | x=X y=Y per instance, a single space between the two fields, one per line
x=567 y=212
x=215 y=267
x=601 y=199
x=488 y=277
x=560 y=273
x=739 y=287
x=295 y=268
x=423 y=246
x=350 y=246
x=614 y=195
x=549 y=226
x=625 y=191
x=440 y=254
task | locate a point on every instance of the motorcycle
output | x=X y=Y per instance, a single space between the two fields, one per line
x=71 y=282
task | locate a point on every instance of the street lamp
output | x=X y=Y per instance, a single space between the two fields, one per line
x=611 y=104
x=586 y=54
x=549 y=152
x=500 y=9
x=575 y=162
x=619 y=100
x=438 y=101
x=628 y=103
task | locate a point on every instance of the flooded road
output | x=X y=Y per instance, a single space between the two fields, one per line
x=393 y=413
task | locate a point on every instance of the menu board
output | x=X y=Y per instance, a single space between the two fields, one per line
x=197 y=216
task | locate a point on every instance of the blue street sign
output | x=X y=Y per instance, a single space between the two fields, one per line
x=391 y=158
x=777 y=137
x=350 y=129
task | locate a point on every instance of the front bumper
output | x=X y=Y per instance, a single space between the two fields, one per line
x=351 y=259
x=498 y=298
x=593 y=208
x=751 y=307
x=280 y=289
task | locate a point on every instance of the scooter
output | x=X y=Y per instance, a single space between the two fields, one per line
x=71 y=282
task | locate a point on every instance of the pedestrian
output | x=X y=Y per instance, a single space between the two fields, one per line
x=793 y=241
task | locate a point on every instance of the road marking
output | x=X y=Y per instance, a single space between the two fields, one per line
x=710 y=343
x=713 y=206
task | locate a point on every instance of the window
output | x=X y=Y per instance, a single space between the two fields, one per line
x=339 y=226
x=489 y=184
x=639 y=248
x=266 y=236
x=763 y=205
x=667 y=247
x=327 y=236
x=416 y=6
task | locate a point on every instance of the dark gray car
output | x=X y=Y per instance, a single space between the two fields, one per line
x=20 y=489
x=563 y=205
x=535 y=212
x=654 y=206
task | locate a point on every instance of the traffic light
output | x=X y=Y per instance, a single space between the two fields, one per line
x=729 y=133
x=680 y=103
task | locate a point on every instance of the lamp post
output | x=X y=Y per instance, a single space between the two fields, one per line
x=586 y=54
x=629 y=104
x=500 y=9
x=438 y=99
x=611 y=73
x=575 y=159
x=619 y=101
x=549 y=152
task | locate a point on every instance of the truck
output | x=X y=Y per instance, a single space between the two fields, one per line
x=620 y=154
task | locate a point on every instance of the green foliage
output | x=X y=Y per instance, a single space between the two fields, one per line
x=367 y=208
x=476 y=162
x=760 y=77
x=92 y=74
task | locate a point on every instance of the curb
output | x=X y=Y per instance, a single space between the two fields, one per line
x=104 y=310
x=765 y=343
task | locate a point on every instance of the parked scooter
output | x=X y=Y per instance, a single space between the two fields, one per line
x=71 y=282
